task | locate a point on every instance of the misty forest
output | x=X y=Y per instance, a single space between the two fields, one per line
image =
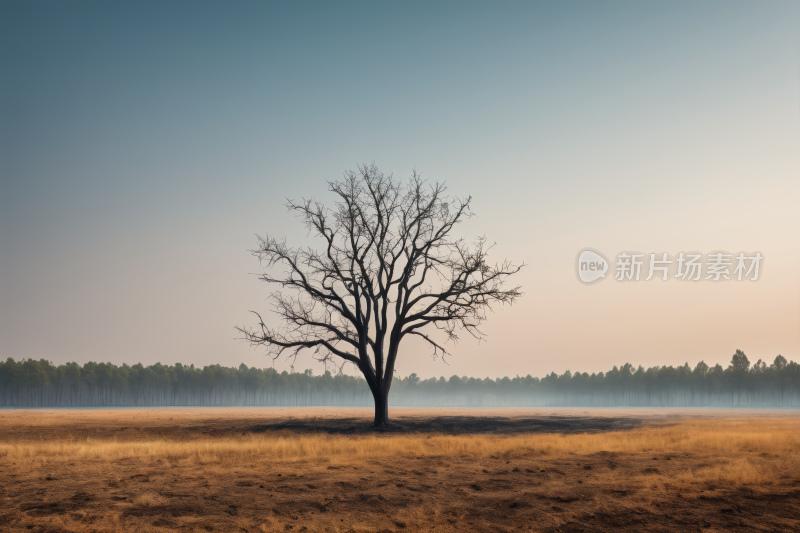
x=32 y=383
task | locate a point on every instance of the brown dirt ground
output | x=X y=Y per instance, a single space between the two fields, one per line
x=573 y=493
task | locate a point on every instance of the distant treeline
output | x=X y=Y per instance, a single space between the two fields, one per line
x=32 y=383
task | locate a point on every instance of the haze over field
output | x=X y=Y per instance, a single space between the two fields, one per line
x=143 y=146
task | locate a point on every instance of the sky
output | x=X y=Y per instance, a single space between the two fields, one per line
x=144 y=145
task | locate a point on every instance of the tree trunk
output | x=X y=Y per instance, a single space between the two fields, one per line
x=381 y=408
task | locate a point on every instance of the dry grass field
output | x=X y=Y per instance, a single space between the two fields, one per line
x=441 y=470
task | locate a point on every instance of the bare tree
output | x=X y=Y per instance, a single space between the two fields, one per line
x=389 y=268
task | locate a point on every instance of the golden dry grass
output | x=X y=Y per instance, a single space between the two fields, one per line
x=725 y=437
x=706 y=468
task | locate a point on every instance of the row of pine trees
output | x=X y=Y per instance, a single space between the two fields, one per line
x=32 y=383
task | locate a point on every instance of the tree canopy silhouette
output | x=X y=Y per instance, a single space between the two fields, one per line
x=388 y=268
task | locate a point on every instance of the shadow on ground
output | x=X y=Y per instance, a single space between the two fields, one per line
x=454 y=425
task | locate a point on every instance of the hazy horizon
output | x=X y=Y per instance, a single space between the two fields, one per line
x=144 y=145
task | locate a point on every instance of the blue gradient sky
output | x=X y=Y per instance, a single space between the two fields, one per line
x=144 y=144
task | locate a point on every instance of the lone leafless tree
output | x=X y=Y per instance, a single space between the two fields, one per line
x=388 y=268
